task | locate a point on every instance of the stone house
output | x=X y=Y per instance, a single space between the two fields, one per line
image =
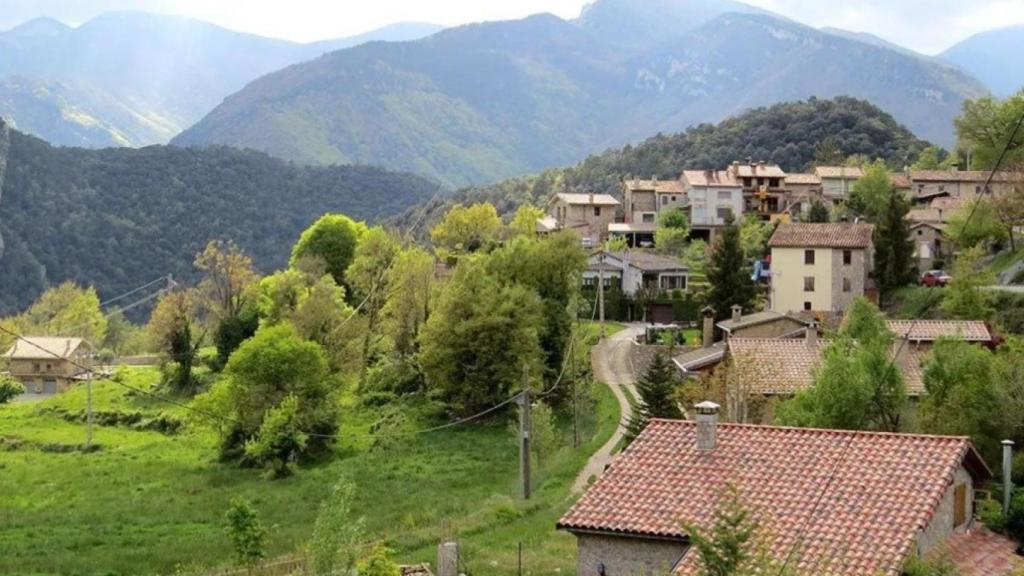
x=48 y=365
x=851 y=503
x=803 y=189
x=764 y=188
x=713 y=194
x=819 y=267
x=967 y=184
x=930 y=244
x=837 y=182
x=633 y=270
x=587 y=214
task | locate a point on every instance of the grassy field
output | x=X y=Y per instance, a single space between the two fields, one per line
x=147 y=502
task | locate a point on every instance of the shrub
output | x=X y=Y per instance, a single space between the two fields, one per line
x=9 y=388
x=1014 y=526
x=990 y=512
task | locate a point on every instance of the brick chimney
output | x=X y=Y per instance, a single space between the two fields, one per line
x=709 y=325
x=811 y=334
x=707 y=425
x=737 y=312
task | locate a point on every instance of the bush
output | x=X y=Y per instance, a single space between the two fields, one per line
x=990 y=512
x=1014 y=526
x=9 y=388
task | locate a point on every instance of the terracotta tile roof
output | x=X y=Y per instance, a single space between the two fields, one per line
x=43 y=348
x=782 y=366
x=803 y=179
x=855 y=500
x=900 y=180
x=822 y=235
x=981 y=552
x=693 y=360
x=657 y=186
x=839 y=171
x=757 y=170
x=587 y=199
x=931 y=330
x=962 y=176
x=649 y=262
x=720 y=178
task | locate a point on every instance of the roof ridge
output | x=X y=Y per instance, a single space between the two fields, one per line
x=839 y=431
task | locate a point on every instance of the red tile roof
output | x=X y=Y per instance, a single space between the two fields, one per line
x=962 y=176
x=803 y=179
x=719 y=178
x=830 y=235
x=859 y=499
x=657 y=186
x=930 y=330
x=981 y=552
x=849 y=172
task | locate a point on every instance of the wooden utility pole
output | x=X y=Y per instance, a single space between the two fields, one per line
x=575 y=392
x=88 y=403
x=600 y=290
x=524 y=436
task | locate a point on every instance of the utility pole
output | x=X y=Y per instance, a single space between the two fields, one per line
x=575 y=392
x=88 y=402
x=600 y=290
x=524 y=436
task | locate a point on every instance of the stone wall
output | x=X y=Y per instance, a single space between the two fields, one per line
x=941 y=526
x=622 y=556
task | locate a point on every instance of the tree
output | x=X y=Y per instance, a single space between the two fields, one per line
x=467 y=229
x=828 y=152
x=64 y=310
x=871 y=192
x=729 y=272
x=1009 y=207
x=696 y=257
x=894 y=250
x=543 y=433
x=279 y=440
x=10 y=388
x=733 y=547
x=246 y=532
x=368 y=277
x=754 y=236
x=657 y=396
x=333 y=238
x=480 y=338
x=933 y=158
x=227 y=274
x=265 y=370
x=818 y=212
x=985 y=127
x=975 y=224
x=379 y=563
x=857 y=385
x=524 y=221
x=408 y=302
x=965 y=297
x=173 y=327
x=336 y=532
x=672 y=232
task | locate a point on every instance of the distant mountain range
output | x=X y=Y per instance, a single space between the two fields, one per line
x=133 y=79
x=479 y=103
x=993 y=57
x=120 y=217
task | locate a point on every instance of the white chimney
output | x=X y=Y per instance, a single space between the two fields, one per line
x=812 y=334
x=1007 y=474
x=707 y=425
x=737 y=312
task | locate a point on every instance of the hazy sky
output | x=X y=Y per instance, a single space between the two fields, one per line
x=928 y=26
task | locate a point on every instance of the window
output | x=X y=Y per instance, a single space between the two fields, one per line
x=977 y=189
x=597 y=210
x=847 y=257
x=959 y=504
x=724 y=195
x=35 y=367
x=723 y=212
x=807 y=306
x=673 y=198
x=942 y=187
x=808 y=283
x=664 y=200
x=808 y=256
x=920 y=232
x=847 y=285
x=773 y=183
x=673 y=282
x=938 y=245
x=698 y=214
x=589 y=281
x=647 y=218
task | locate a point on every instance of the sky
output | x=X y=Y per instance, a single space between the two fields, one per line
x=928 y=26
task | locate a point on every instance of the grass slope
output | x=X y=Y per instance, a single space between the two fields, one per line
x=148 y=502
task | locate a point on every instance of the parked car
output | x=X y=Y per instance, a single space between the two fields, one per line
x=935 y=278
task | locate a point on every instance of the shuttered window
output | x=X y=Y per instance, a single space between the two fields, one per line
x=960 y=504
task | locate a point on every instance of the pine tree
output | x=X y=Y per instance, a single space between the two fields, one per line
x=894 y=251
x=729 y=274
x=818 y=212
x=656 y=389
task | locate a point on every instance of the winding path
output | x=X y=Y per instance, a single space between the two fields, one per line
x=612 y=365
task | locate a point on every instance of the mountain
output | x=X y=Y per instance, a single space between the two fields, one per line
x=483 y=102
x=869 y=38
x=120 y=217
x=992 y=57
x=133 y=78
x=787 y=134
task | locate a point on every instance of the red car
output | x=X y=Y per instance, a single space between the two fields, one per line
x=935 y=278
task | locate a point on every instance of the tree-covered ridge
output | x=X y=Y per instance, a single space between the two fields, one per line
x=117 y=218
x=793 y=135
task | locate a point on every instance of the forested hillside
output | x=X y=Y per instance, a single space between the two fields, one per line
x=792 y=135
x=118 y=218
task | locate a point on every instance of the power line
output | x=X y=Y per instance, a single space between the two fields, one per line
x=166 y=278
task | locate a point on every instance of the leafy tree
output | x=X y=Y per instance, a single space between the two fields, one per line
x=964 y=395
x=894 y=250
x=232 y=331
x=828 y=152
x=616 y=244
x=408 y=302
x=336 y=532
x=729 y=272
x=279 y=440
x=227 y=274
x=754 y=236
x=123 y=337
x=10 y=388
x=467 y=229
x=265 y=370
x=543 y=433
x=479 y=339
x=818 y=212
x=985 y=127
x=856 y=386
x=657 y=396
x=524 y=221
x=732 y=546
x=965 y=297
x=696 y=257
x=672 y=232
x=934 y=158
x=871 y=192
x=246 y=532
x=975 y=224
x=379 y=563
x=64 y=310
x=172 y=325
x=1009 y=207
x=333 y=239
x=368 y=276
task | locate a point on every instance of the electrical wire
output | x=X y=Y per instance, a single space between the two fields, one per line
x=108 y=301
